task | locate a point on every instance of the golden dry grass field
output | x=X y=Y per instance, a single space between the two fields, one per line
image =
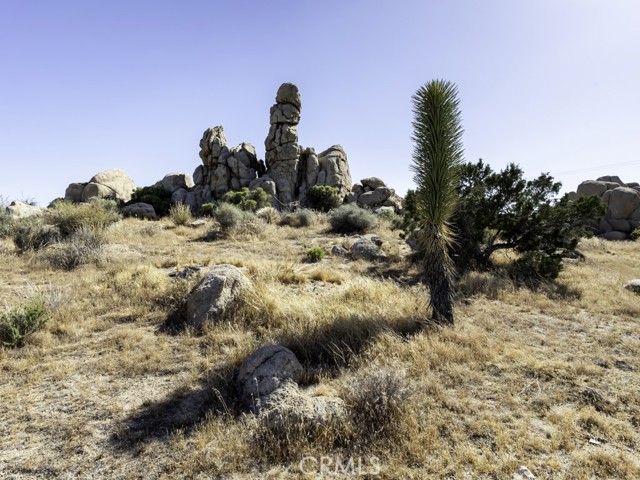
x=547 y=378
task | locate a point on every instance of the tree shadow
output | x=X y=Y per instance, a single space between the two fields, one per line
x=329 y=348
x=181 y=410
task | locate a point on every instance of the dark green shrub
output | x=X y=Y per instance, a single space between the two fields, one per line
x=249 y=200
x=300 y=218
x=207 y=209
x=634 y=235
x=323 y=198
x=95 y=215
x=315 y=254
x=502 y=210
x=159 y=198
x=17 y=323
x=352 y=219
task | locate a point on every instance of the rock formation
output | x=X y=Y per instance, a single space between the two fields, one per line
x=623 y=205
x=223 y=169
x=373 y=193
x=289 y=169
x=114 y=183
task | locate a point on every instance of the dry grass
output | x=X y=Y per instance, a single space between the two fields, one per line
x=546 y=378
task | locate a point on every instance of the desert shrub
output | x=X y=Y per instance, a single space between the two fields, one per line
x=228 y=216
x=207 y=209
x=394 y=220
x=269 y=215
x=352 y=219
x=635 y=234
x=6 y=223
x=249 y=200
x=232 y=219
x=17 y=323
x=180 y=214
x=34 y=233
x=95 y=215
x=323 y=198
x=302 y=217
x=377 y=399
x=80 y=248
x=159 y=198
x=315 y=254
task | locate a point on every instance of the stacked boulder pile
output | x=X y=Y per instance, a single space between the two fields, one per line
x=623 y=205
x=374 y=194
x=114 y=183
x=289 y=169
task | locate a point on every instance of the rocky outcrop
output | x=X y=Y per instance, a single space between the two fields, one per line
x=216 y=295
x=223 y=169
x=373 y=193
x=623 y=205
x=295 y=169
x=114 y=183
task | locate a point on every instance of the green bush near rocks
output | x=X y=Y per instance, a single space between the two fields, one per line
x=17 y=323
x=352 y=219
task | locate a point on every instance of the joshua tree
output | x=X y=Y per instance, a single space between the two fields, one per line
x=437 y=156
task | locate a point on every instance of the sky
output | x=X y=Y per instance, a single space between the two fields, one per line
x=85 y=86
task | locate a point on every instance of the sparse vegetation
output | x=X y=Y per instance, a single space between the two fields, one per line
x=352 y=219
x=207 y=209
x=82 y=247
x=180 y=214
x=95 y=215
x=517 y=380
x=302 y=217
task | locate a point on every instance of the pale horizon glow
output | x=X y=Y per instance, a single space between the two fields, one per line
x=551 y=85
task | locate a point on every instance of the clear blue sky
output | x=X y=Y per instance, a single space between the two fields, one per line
x=553 y=85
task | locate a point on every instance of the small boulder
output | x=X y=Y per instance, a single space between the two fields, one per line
x=216 y=294
x=174 y=181
x=73 y=193
x=372 y=183
x=375 y=197
x=140 y=210
x=591 y=187
x=19 y=209
x=289 y=406
x=366 y=248
x=633 y=286
x=615 y=236
x=338 y=251
x=117 y=181
x=523 y=473
x=263 y=372
x=611 y=179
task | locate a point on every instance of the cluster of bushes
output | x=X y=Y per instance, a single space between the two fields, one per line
x=74 y=232
x=502 y=210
